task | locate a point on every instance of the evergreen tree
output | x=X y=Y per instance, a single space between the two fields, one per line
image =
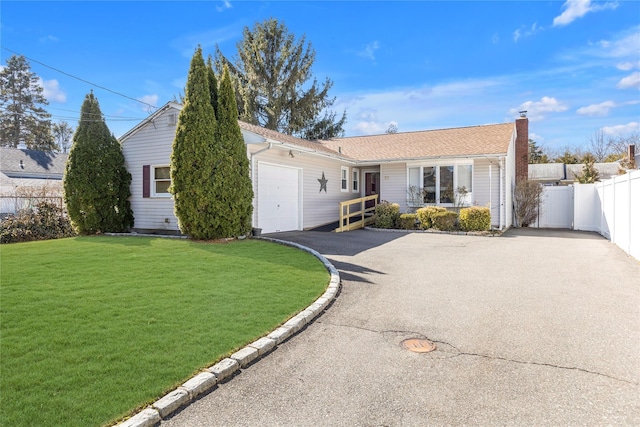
x=96 y=182
x=273 y=76
x=232 y=183
x=22 y=118
x=536 y=155
x=213 y=85
x=194 y=156
x=589 y=173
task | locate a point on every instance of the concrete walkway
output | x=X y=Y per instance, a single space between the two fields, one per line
x=532 y=328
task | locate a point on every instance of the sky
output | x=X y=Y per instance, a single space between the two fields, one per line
x=574 y=65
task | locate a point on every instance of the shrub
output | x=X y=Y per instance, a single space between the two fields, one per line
x=46 y=221
x=445 y=221
x=386 y=215
x=407 y=221
x=425 y=215
x=526 y=198
x=475 y=218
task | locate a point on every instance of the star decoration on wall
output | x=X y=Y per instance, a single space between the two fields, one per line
x=323 y=183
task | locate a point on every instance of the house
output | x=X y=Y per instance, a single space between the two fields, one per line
x=554 y=174
x=299 y=184
x=28 y=174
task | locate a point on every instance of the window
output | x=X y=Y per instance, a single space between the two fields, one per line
x=355 y=180
x=161 y=181
x=440 y=184
x=344 y=178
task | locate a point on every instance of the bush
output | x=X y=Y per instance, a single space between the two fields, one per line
x=475 y=218
x=425 y=215
x=46 y=221
x=407 y=221
x=526 y=199
x=445 y=221
x=386 y=215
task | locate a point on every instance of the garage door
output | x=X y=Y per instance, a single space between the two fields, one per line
x=278 y=198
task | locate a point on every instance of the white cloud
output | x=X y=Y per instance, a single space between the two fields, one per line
x=226 y=4
x=630 y=127
x=536 y=137
x=495 y=39
x=49 y=38
x=526 y=32
x=149 y=99
x=536 y=110
x=187 y=44
x=626 y=66
x=631 y=81
x=369 y=50
x=574 y=9
x=52 y=91
x=601 y=109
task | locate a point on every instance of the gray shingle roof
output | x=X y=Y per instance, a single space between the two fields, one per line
x=22 y=163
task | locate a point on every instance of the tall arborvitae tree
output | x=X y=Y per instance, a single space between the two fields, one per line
x=22 y=118
x=232 y=183
x=96 y=182
x=276 y=87
x=213 y=85
x=194 y=156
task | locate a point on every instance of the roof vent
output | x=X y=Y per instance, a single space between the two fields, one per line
x=21 y=164
x=172 y=119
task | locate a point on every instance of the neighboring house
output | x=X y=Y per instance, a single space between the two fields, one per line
x=555 y=174
x=299 y=184
x=25 y=174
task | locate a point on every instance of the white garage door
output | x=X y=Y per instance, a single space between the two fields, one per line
x=278 y=198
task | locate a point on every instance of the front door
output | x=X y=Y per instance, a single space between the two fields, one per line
x=372 y=186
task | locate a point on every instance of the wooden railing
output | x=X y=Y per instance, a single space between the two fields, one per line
x=365 y=214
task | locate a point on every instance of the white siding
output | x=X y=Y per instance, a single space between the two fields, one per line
x=510 y=169
x=393 y=184
x=486 y=186
x=150 y=145
x=318 y=208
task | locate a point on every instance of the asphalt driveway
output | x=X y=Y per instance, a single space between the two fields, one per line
x=532 y=328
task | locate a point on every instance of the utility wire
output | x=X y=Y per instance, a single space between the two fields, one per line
x=81 y=79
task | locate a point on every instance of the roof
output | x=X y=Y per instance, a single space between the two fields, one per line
x=465 y=141
x=22 y=163
x=493 y=139
x=274 y=136
x=564 y=172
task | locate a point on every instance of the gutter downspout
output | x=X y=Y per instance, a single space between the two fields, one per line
x=502 y=207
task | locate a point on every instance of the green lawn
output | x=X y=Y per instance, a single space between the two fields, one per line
x=94 y=327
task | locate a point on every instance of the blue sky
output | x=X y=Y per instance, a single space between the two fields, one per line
x=575 y=65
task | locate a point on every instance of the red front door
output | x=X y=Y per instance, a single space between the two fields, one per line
x=372 y=186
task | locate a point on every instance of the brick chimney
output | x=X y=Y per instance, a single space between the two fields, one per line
x=522 y=147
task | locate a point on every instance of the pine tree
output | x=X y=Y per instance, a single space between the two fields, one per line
x=589 y=173
x=96 y=182
x=22 y=119
x=232 y=183
x=273 y=78
x=194 y=156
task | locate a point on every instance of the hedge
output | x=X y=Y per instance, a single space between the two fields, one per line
x=475 y=218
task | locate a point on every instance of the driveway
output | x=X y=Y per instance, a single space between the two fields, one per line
x=532 y=328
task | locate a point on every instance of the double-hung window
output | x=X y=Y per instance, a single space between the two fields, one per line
x=441 y=184
x=161 y=181
x=355 y=180
x=344 y=178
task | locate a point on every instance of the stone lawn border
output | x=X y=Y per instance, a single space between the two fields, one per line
x=205 y=381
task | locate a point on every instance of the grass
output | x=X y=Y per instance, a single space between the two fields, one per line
x=94 y=327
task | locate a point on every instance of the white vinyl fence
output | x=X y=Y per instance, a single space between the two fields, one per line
x=611 y=208
x=556 y=208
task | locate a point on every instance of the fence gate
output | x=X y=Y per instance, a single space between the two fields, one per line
x=556 y=208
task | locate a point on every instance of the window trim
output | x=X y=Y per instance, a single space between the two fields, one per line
x=355 y=180
x=153 y=181
x=344 y=179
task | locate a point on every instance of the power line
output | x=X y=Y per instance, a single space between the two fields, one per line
x=81 y=79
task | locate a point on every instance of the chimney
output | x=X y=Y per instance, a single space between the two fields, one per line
x=522 y=147
x=631 y=155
